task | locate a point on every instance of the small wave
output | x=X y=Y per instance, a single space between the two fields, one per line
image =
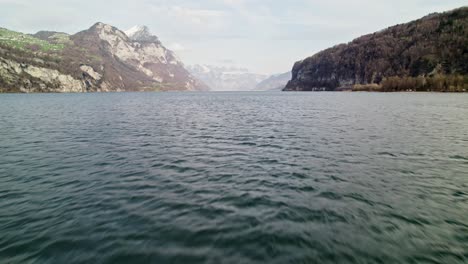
x=459 y=194
x=386 y=154
x=360 y=198
x=330 y=195
x=247 y=144
x=410 y=220
x=459 y=157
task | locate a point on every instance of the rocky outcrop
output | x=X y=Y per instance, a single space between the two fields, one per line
x=408 y=50
x=102 y=58
x=38 y=79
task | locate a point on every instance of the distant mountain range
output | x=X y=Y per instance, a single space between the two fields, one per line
x=225 y=78
x=102 y=58
x=275 y=82
x=429 y=54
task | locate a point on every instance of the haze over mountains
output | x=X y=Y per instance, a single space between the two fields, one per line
x=226 y=78
x=231 y=78
x=275 y=82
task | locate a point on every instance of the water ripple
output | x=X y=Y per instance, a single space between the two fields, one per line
x=233 y=178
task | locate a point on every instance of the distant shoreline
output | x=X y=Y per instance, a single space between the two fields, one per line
x=196 y=92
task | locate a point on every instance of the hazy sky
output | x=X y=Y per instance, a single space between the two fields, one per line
x=266 y=36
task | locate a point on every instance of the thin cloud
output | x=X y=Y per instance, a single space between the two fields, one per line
x=177 y=47
x=264 y=35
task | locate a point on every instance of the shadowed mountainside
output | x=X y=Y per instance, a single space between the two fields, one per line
x=429 y=54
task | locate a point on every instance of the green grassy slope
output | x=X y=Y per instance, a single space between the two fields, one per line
x=27 y=42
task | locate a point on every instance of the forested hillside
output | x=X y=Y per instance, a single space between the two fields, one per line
x=429 y=54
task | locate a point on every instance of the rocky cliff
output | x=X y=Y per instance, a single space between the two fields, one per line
x=102 y=58
x=409 y=53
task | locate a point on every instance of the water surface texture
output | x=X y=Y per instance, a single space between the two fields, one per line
x=234 y=178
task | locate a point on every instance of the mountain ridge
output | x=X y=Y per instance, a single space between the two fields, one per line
x=101 y=58
x=430 y=53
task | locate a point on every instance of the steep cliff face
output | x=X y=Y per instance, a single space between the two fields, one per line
x=438 y=42
x=29 y=78
x=102 y=58
x=161 y=62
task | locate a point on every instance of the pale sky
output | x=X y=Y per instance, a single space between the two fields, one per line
x=265 y=36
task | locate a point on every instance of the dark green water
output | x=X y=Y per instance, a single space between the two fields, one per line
x=234 y=178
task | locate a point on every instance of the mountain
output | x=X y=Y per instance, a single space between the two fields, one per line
x=427 y=54
x=101 y=58
x=221 y=78
x=141 y=34
x=275 y=82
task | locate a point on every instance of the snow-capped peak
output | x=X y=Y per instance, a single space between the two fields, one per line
x=141 y=33
x=226 y=78
x=134 y=30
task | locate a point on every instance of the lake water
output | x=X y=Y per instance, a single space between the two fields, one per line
x=234 y=178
